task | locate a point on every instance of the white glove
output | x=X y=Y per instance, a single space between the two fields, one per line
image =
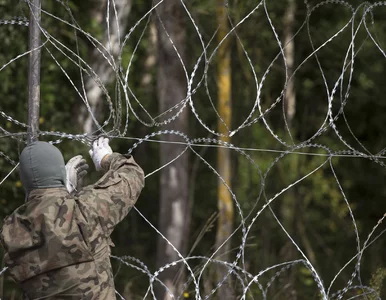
x=76 y=169
x=100 y=148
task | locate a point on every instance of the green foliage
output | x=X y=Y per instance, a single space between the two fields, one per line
x=313 y=210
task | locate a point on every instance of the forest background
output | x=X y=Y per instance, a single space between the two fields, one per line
x=185 y=200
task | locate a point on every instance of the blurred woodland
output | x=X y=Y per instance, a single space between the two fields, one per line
x=277 y=167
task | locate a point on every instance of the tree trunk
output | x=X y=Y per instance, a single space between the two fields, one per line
x=99 y=64
x=289 y=52
x=225 y=202
x=172 y=88
x=148 y=90
x=291 y=206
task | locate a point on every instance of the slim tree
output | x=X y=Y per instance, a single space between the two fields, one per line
x=290 y=208
x=289 y=52
x=225 y=203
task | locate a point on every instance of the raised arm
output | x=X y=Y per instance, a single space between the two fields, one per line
x=111 y=197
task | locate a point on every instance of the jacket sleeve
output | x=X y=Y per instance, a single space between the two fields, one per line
x=111 y=197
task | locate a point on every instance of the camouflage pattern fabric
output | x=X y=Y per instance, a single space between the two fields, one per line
x=58 y=245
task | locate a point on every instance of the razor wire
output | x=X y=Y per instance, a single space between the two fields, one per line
x=198 y=79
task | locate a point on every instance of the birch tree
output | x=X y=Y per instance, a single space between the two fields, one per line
x=117 y=13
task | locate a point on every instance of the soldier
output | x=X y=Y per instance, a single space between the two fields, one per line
x=58 y=243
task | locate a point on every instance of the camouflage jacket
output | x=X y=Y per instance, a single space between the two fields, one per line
x=58 y=245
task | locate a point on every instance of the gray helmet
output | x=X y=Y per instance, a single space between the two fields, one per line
x=42 y=166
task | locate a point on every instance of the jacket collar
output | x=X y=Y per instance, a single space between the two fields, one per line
x=39 y=193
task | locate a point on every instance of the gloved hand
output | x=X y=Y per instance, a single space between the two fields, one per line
x=76 y=169
x=100 y=148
